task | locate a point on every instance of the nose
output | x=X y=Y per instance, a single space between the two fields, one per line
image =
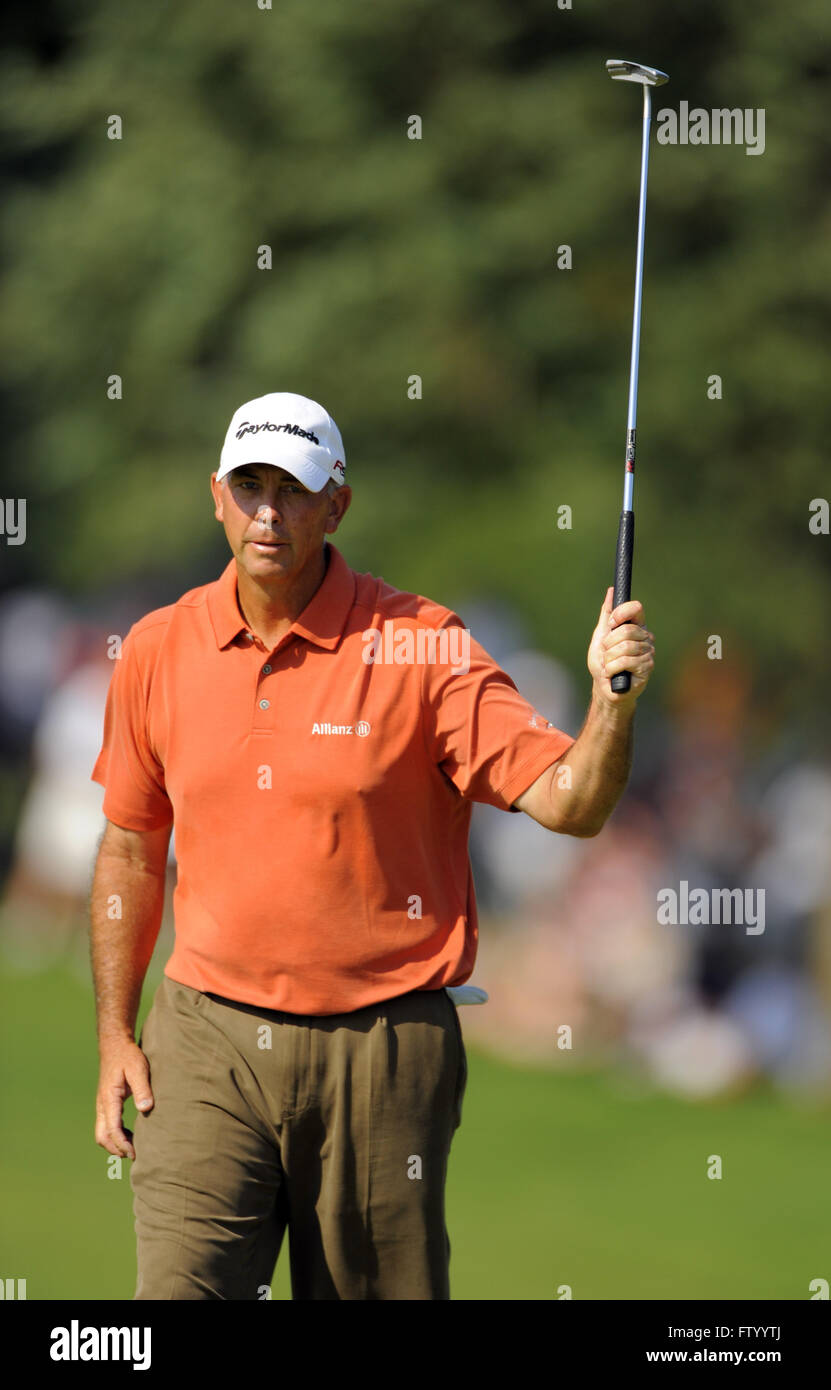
x=266 y=514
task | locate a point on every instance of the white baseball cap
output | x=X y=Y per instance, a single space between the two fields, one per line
x=290 y=432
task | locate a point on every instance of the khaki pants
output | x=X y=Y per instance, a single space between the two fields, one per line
x=336 y=1127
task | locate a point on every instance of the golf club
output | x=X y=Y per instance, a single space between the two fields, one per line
x=622 y=71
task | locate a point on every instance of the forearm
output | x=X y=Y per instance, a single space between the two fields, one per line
x=126 y=907
x=599 y=761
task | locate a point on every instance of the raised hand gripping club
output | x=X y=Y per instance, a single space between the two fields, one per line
x=622 y=71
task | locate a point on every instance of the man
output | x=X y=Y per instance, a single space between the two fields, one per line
x=316 y=739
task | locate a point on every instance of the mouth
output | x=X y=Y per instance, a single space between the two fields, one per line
x=267 y=545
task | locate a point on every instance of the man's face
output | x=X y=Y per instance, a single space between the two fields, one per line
x=275 y=526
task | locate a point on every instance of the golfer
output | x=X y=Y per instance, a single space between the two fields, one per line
x=314 y=738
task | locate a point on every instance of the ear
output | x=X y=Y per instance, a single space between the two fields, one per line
x=338 y=506
x=216 y=492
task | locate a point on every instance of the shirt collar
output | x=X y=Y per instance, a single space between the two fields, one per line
x=322 y=620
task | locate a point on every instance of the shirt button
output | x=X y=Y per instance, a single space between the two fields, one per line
x=264 y=704
x=267 y=670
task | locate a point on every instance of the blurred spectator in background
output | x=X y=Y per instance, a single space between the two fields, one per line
x=35 y=640
x=56 y=671
x=573 y=938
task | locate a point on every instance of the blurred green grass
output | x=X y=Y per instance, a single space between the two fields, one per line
x=581 y=1180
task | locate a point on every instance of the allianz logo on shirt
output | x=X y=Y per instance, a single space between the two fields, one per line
x=362 y=728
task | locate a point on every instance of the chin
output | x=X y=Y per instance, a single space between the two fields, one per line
x=270 y=564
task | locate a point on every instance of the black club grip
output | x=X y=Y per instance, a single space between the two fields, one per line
x=623 y=583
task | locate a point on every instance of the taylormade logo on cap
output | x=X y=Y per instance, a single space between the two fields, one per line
x=245 y=428
x=287 y=431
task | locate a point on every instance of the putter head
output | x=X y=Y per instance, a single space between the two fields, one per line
x=623 y=71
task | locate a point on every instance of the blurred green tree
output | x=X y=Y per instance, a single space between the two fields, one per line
x=437 y=258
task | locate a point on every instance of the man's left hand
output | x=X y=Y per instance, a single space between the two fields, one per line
x=621 y=642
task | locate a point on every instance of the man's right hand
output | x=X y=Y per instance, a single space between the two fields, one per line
x=124 y=1071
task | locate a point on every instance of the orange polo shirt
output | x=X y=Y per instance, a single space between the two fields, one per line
x=320 y=792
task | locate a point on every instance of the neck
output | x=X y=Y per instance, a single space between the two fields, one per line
x=269 y=609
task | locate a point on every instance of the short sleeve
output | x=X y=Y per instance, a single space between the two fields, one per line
x=486 y=737
x=133 y=779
